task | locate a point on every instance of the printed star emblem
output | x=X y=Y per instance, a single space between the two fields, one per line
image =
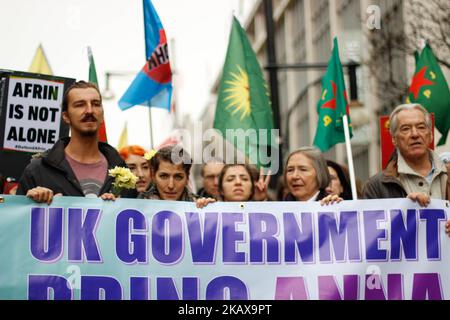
x=418 y=82
x=327 y=120
x=331 y=104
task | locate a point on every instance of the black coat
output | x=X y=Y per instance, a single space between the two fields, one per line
x=51 y=170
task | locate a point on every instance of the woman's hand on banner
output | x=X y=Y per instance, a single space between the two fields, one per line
x=203 y=202
x=330 y=199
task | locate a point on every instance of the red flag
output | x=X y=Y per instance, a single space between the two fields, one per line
x=93 y=79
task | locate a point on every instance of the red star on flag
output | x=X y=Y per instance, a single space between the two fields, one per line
x=418 y=82
x=331 y=104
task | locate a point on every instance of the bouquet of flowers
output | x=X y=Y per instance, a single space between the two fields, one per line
x=123 y=179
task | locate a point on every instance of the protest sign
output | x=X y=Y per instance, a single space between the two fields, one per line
x=30 y=117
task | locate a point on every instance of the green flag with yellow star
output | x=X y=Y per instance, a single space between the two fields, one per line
x=332 y=105
x=243 y=101
x=430 y=89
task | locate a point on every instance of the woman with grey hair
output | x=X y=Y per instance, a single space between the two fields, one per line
x=306 y=175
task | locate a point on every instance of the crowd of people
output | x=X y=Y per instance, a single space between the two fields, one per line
x=78 y=166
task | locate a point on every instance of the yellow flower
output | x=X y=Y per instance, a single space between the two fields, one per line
x=118 y=171
x=150 y=154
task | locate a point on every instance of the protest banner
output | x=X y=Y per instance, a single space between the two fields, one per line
x=30 y=117
x=79 y=248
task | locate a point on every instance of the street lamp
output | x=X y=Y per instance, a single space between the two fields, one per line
x=108 y=93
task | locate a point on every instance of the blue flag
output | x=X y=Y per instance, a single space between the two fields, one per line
x=152 y=86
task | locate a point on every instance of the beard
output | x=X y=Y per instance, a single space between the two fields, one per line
x=86 y=132
x=89 y=133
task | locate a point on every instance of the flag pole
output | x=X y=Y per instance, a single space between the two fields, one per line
x=151 y=125
x=350 y=157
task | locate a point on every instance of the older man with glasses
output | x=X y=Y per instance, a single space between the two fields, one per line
x=415 y=171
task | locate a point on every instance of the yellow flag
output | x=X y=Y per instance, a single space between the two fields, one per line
x=40 y=63
x=123 y=140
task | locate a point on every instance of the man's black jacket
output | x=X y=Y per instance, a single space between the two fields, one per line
x=51 y=170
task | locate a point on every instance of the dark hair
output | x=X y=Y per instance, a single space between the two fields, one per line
x=170 y=154
x=281 y=189
x=77 y=85
x=344 y=178
x=254 y=172
x=228 y=166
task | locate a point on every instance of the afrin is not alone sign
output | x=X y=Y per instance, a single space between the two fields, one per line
x=33 y=114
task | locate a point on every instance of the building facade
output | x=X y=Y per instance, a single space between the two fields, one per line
x=304 y=33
